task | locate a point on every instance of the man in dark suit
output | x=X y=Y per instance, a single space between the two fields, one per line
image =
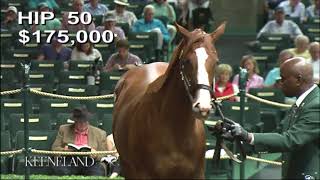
x=81 y=133
x=300 y=137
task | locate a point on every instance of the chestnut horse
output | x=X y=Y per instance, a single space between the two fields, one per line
x=159 y=108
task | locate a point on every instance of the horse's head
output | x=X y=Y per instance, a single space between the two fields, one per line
x=197 y=60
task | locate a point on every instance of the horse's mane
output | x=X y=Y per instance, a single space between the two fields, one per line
x=161 y=80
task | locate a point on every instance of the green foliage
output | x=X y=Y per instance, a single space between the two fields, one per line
x=45 y=177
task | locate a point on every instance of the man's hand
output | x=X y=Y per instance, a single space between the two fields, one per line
x=236 y=131
x=93 y=156
x=240 y=132
x=118 y=67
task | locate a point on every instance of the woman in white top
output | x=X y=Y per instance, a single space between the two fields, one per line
x=85 y=51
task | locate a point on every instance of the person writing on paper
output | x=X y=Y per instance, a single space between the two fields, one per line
x=300 y=136
x=123 y=59
x=81 y=133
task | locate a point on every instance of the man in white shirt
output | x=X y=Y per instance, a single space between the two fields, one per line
x=294 y=9
x=280 y=25
x=300 y=136
x=314 y=50
x=95 y=8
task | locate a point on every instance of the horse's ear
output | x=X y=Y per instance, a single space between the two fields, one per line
x=182 y=30
x=219 y=31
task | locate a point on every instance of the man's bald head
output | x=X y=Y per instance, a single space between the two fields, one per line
x=284 y=55
x=314 y=50
x=296 y=76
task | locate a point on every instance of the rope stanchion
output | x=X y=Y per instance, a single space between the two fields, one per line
x=70 y=97
x=267 y=101
x=256 y=159
x=8 y=153
x=264 y=161
x=10 y=92
x=222 y=98
x=35 y=151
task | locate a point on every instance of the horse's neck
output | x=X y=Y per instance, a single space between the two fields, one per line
x=176 y=102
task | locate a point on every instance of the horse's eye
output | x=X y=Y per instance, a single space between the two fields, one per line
x=187 y=62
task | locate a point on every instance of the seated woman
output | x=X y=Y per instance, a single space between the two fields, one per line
x=123 y=59
x=301 y=47
x=223 y=87
x=254 y=80
x=85 y=51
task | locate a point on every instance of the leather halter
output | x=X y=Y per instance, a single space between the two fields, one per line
x=187 y=82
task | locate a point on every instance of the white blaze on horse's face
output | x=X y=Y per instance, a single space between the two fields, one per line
x=203 y=97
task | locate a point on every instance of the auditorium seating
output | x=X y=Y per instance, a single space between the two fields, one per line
x=73 y=77
x=9 y=106
x=41 y=140
x=252 y=118
x=47 y=65
x=5 y=146
x=108 y=81
x=148 y=39
x=36 y=122
x=100 y=107
x=107 y=123
x=77 y=90
x=270 y=115
x=55 y=106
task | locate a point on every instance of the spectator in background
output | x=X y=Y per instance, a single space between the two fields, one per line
x=122 y=15
x=294 y=9
x=95 y=8
x=254 y=80
x=52 y=4
x=10 y=22
x=193 y=4
x=273 y=77
x=223 y=86
x=109 y=23
x=314 y=50
x=149 y=24
x=183 y=19
x=53 y=24
x=55 y=51
x=313 y=10
x=301 y=48
x=123 y=59
x=280 y=25
x=81 y=133
x=86 y=52
x=77 y=6
x=165 y=12
x=272 y=4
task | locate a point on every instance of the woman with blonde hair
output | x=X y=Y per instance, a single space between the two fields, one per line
x=223 y=86
x=301 y=49
x=254 y=80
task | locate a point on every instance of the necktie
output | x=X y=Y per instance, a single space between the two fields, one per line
x=292 y=114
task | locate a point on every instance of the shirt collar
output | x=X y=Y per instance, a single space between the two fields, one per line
x=304 y=95
x=81 y=132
